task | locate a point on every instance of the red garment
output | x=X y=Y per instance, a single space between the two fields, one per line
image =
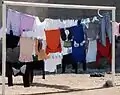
x=104 y=51
x=53 y=41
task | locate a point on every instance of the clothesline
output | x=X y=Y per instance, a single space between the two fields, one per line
x=48 y=23
x=50 y=26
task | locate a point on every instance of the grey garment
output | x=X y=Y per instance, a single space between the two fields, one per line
x=106 y=28
x=13 y=55
x=92 y=30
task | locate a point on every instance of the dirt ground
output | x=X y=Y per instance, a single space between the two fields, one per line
x=64 y=84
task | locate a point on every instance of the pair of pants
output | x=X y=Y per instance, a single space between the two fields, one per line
x=106 y=29
x=67 y=59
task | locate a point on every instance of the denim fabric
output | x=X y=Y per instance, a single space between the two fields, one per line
x=106 y=29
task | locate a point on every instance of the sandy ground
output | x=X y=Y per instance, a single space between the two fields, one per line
x=66 y=84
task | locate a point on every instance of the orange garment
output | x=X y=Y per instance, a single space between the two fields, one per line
x=53 y=41
x=40 y=52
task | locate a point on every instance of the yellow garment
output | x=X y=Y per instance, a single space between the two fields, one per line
x=41 y=54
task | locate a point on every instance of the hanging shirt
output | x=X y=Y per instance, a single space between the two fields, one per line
x=92 y=30
x=69 y=23
x=66 y=36
x=38 y=29
x=26 y=23
x=78 y=49
x=26 y=49
x=12 y=54
x=35 y=32
x=53 y=41
x=52 y=24
x=92 y=51
x=116 y=28
x=13 y=22
x=66 y=42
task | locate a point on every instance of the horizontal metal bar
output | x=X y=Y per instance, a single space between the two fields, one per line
x=48 y=5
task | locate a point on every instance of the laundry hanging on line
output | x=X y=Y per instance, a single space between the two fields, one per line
x=38 y=30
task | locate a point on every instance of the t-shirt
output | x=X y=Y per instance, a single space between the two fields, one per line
x=38 y=29
x=26 y=23
x=13 y=22
x=92 y=30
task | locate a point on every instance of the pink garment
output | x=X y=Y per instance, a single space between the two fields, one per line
x=26 y=49
x=13 y=22
x=116 y=28
x=27 y=22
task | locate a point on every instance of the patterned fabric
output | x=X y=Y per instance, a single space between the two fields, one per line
x=67 y=44
x=26 y=49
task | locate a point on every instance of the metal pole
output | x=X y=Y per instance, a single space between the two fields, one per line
x=113 y=48
x=3 y=47
x=48 y=5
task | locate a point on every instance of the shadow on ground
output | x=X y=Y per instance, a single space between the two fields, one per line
x=66 y=89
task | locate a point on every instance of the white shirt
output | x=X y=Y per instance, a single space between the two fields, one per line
x=38 y=29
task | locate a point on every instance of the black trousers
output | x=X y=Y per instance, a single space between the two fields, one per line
x=67 y=59
x=28 y=76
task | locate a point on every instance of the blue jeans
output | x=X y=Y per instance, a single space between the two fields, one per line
x=106 y=29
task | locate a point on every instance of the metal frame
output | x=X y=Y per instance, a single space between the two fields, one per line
x=13 y=3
